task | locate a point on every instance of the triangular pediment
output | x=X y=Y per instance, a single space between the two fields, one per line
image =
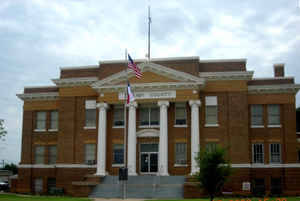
x=153 y=74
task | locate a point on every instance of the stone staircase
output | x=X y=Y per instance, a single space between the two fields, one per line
x=144 y=186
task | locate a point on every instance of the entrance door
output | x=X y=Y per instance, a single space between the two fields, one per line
x=149 y=158
x=149 y=162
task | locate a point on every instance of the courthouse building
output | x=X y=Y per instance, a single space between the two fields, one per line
x=75 y=128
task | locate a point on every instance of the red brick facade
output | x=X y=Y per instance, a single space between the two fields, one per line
x=235 y=95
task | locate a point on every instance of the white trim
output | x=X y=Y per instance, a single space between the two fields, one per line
x=238 y=165
x=181 y=126
x=118 y=127
x=282 y=88
x=148 y=133
x=152 y=59
x=298 y=133
x=230 y=75
x=274 y=126
x=89 y=127
x=117 y=165
x=78 y=67
x=39 y=130
x=81 y=81
x=211 y=125
x=257 y=126
x=273 y=78
x=181 y=165
x=39 y=96
x=150 y=126
x=56 y=166
x=53 y=130
x=223 y=60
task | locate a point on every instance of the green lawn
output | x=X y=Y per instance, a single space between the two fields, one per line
x=11 y=197
x=240 y=199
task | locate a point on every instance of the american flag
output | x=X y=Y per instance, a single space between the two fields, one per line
x=133 y=66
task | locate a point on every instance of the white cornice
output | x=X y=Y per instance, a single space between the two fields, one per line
x=273 y=78
x=151 y=86
x=232 y=75
x=282 y=88
x=38 y=96
x=56 y=166
x=79 y=67
x=222 y=60
x=68 y=82
x=151 y=60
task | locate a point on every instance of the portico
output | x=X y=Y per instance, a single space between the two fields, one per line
x=152 y=100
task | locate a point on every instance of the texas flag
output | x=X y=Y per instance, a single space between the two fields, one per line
x=130 y=96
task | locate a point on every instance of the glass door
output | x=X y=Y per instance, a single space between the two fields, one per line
x=153 y=162
x=144 y=162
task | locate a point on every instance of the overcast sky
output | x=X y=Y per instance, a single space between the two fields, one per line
x=37 y=37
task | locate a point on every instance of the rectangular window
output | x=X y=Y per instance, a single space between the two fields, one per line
x=54 y=120
x=90 y=154
x=39 y=155
x=276 y=186
x=51 y=185
x=118 y=115
x=258 y=153
x=299 y=155
x=275 y=153
x=52 y=154
x=180 y=153
x=38 y=185
x=118 y=154
x=273 y=115
x=211 y=110
x=149 y=115
x=180 y=114
x=90 y=113
x=257 y=115
x=211 y=146
x=41 y=120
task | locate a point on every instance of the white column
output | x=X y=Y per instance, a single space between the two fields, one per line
x=101 y=155
x=195 y=131
x=163 y=138
x=132 y=139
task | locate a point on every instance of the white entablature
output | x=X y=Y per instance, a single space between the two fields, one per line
x=183 y=80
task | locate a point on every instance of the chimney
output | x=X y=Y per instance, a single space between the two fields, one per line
x=279 y=70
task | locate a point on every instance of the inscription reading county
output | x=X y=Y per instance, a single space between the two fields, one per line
x=151 y=95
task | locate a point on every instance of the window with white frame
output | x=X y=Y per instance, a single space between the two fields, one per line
x=118 y=115
x=257 y=115
x=41 y=120
x=52 y=152
x=90 y=154
x=211 y=146
x=211 y=110
x=38 y=185
x=149 y=115
x=90 y=113
x=118 y=154
x=180 y=153
x=273 y=114
x=54 y=120
x=275 y=153
x=180 y=114
x=39 y=155
x=258 y=153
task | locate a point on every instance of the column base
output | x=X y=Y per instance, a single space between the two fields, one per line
x=132 y=174
x=101 y=173
x=163 y=174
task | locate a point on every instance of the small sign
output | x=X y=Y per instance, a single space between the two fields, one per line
x=246 y=186
x=150 y=95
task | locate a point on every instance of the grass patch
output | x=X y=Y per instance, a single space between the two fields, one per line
x=240 y=199
x=13 y=197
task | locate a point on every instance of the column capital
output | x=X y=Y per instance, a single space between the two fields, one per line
x=163 y=103
x=132 y=104
x=102 y=105
x=196 y=103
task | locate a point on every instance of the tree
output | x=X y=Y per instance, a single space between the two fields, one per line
x=11 y=167
x=214 y=170
x=2 y=130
